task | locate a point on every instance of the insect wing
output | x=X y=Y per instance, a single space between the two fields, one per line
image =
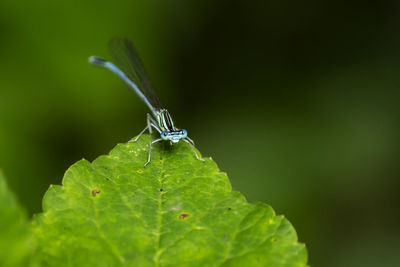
x=126 y=58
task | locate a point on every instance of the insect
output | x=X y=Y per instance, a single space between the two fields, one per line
x=128 y=66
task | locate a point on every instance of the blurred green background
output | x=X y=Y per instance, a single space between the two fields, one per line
x=297 y=101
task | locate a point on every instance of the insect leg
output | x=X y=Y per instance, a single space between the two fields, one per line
x=150 y=123
x=190 y=140
x=194 y=151
x=151 y=143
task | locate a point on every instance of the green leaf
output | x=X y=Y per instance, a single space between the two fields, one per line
x=15 y=241
x=178 y=211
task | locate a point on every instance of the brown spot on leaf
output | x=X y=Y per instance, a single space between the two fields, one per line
x=274 y=240
x=95 y=192
x=183 y=216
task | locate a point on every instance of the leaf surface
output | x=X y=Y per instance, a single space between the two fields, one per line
x=178 y=211
x=15 y=241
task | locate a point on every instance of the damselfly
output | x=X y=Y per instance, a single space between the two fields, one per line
x=128 y=66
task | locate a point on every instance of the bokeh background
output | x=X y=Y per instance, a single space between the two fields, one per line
x=298 y=101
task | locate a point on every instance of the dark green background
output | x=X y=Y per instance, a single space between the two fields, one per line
x=298 y=101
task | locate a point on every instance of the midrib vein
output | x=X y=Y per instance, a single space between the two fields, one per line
x=159 y=215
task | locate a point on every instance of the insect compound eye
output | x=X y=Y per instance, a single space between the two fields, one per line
x=184 y=133
x=164 y=135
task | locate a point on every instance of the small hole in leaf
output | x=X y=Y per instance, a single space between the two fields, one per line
x=95 y=192
x=161 y=189
x=183 y=216
x=229 y=209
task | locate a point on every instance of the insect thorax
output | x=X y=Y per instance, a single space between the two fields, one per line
x=165 y=121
